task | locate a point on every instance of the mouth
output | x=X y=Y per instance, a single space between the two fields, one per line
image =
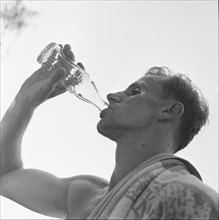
x=104 y=112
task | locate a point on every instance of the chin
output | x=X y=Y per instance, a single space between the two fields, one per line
x=100 y=128
x=104 y=131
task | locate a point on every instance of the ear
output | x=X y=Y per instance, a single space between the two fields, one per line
x=171 y=111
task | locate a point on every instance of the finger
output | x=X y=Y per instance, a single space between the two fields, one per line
x=70 y=55
x=81 y=65
x=67 y=51
x=56 y=76
x=66 y=47
x=61 y=46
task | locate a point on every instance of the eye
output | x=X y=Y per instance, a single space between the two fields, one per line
x=136 y=91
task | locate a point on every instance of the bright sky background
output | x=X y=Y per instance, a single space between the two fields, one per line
x=117 y=41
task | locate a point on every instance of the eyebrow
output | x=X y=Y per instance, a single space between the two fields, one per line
x=132 y=85
x=136 y=84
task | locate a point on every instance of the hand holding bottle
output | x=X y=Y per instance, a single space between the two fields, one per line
x=44 y=84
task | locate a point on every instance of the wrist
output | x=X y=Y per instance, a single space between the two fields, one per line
x=24 y=105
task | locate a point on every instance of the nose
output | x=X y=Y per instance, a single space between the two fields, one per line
x=113 y=97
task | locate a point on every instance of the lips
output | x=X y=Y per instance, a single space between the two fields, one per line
x=104 y=112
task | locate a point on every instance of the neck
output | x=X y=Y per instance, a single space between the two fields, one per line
x=130 y=154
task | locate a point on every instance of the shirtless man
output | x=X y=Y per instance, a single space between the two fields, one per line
x=137 y=119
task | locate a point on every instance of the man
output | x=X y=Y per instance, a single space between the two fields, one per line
x=153 y=118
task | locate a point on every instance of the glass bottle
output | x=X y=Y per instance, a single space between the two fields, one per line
x=77 y=81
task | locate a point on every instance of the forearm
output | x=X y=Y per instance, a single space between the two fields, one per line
x=38 y=88
x=13 y=126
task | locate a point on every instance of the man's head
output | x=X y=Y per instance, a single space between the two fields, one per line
x=158 y=104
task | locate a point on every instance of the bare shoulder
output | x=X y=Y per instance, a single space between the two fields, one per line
x=85 y=191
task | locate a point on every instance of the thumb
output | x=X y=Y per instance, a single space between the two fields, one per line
x=57 y=75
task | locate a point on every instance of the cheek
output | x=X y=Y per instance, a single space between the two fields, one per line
x=140 y=116
x=140 y=120
x=133 y=118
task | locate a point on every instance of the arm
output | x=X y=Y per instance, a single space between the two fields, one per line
x=36 y=89
x=39 y=87
x=36 y=190
x=47 y=194
x=13 y=126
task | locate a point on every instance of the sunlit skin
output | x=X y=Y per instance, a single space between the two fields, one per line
x=141 y=122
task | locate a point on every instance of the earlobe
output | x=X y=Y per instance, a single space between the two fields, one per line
x=171 y=111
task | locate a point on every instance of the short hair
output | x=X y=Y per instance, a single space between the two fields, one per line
x=196 y=109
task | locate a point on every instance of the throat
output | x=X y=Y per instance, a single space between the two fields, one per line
x=126 y=161
x=129 y=157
